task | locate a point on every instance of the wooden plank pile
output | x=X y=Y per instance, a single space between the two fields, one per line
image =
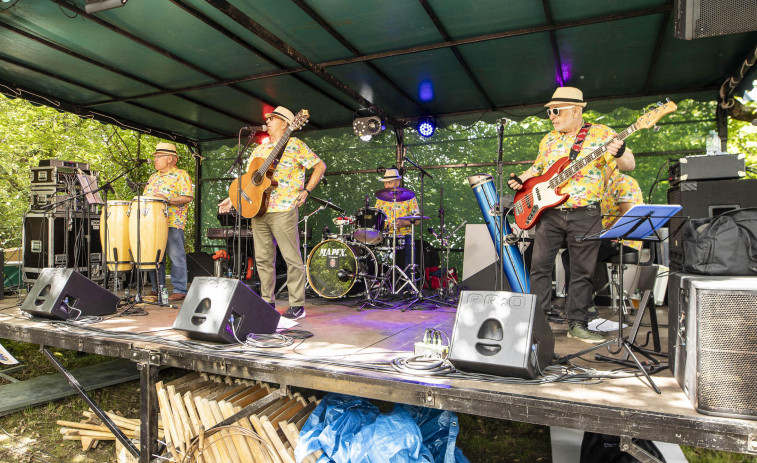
x=268 y=429
x=90 y=431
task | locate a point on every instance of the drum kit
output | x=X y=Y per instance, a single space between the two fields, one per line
x=352 y=262
x=134 y=234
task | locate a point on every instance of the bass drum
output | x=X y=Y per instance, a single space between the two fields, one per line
x=337 y=268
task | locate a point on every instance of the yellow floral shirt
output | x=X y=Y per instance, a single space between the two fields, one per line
x=290 y=173
x=587 y=186
x=620 y=189
x=172 y=183
x=404 y=209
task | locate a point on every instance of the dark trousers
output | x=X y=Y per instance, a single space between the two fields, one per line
x=553 y=227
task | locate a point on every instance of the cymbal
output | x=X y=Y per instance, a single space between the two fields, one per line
x=328 y=204
x=414 y=217
x=395 y=194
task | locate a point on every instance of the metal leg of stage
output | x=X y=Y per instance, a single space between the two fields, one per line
x=96 y=408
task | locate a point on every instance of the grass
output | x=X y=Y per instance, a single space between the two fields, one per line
x=33 y=436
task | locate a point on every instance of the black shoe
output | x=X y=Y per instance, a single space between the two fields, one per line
x=295 y=312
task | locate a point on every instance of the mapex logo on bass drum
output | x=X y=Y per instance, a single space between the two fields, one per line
x=333 y=253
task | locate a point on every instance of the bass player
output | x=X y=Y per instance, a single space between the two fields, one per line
x=279 y=223
x=578 y=216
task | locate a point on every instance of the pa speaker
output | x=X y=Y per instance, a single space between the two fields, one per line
x=714 y=342
x=708 y=18
x=501 y=333
x=224 y=310
x=62 y=293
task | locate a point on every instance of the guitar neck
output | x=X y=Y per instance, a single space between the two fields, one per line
x=277 y=150
x=576 y=166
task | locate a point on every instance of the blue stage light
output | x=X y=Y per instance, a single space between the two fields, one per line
x=426 y=127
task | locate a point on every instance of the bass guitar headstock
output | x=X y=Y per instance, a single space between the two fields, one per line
x=650 y=118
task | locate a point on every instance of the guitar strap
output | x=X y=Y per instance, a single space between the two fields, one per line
x=579 y=141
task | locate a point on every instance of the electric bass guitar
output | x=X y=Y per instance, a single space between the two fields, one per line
x=258 y=183
x=545 y=191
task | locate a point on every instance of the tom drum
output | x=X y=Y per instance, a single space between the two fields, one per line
x=369 y=221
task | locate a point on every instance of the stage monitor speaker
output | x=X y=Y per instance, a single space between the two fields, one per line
x=199 y=264
x=62 y=293
x=501 y=333
x=224 y=310
x=694 y=19
x=714 y=348
x=705 y=199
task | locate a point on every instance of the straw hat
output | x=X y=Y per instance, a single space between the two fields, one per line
x=391 y=174
x=569 y=95
x=283 y=114
x=166 y=148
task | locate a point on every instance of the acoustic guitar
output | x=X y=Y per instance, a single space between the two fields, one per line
x=258 y=183
x=544 y=192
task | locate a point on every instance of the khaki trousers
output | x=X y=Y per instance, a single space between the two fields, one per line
x=282 y=227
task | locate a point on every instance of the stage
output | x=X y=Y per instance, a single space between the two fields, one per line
x=345 y=341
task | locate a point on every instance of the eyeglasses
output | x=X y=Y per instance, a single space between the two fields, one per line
x=162 y=155
x=556 y=111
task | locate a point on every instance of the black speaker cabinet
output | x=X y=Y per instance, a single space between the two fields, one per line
x=705 y=199
x=708 y=18
x=714 y=348
x=501 y=333
x=63 y=293
x=224 y=310
x=199 y=264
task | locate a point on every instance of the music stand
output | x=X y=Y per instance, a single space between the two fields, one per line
x=641 y=221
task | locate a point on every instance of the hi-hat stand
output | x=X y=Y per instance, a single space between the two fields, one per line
x=637 y=224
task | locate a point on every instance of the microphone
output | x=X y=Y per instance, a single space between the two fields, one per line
x=344 y=275
x=256 y=128
x=140 y=161
x=503 y=121
x=380 y=170
x=431 y=230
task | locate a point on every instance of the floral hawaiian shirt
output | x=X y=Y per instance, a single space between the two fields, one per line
x=290 y=173
x=404 y=209
x=172 y=183
x=587 y=186
x=620 y=189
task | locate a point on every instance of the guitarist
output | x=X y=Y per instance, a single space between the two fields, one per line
x=279 y=223
x=580 y=214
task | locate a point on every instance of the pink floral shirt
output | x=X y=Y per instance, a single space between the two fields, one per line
x=172 y=183
x=587 y=186
x=290 y=173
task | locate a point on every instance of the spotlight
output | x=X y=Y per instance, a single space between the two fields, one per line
x=426 y=127
x=93 y=6
x=370 y=125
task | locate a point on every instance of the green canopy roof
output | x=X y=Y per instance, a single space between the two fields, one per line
x=197 y=70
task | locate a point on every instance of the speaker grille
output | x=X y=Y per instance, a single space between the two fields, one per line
x=727 y=350
x=707 y=18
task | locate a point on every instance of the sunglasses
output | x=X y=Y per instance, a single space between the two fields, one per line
x=556 y=111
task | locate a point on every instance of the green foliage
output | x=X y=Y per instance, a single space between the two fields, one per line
x=30 y=133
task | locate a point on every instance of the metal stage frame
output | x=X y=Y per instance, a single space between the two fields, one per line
x=623 y=407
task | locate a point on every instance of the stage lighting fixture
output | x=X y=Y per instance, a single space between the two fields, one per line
x=366 y=137
x=370 y=125
x=426 y=127
x=94 y=6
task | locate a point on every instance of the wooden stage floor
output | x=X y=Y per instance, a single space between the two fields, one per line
x=345 y=342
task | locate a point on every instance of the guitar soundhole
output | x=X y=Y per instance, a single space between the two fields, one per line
x=257 y=178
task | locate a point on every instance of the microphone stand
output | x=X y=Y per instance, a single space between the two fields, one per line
x=499 y=282
x=239 y=165
x=419 y=297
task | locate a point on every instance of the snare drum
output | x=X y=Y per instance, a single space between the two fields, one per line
x=116 y=249
x=369 y=223
x=337 y=268
x=151 y=231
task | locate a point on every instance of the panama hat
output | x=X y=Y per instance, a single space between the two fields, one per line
x=282 y=113
x=569 y=95
x=391 y=174
x=166 y=148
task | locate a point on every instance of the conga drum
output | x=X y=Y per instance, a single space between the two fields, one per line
x=116 y=244
x=149 y=228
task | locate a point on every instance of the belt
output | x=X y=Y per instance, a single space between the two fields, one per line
x=591 y=206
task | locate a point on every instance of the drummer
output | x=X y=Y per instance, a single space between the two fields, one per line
x=392 y=179
x=175 y=186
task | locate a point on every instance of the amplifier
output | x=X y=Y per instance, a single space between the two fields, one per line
x=62 y=163
x=712 y=342
x=707 y=167
x=54 y=240
x=56 y=176
x=705 y=199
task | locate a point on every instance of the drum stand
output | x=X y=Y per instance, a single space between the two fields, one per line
x=305 y=246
